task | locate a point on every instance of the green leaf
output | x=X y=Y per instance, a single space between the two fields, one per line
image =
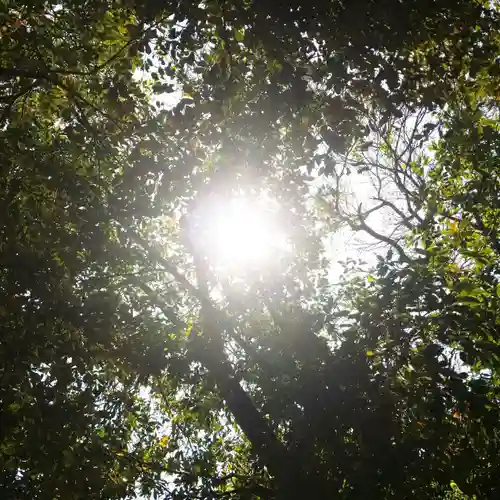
x=239 y=34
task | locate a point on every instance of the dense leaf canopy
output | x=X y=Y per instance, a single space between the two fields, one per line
x=136 y=362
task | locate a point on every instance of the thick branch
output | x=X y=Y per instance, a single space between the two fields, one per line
x=267 y=446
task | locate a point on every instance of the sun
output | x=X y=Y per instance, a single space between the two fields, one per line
x=242 y=233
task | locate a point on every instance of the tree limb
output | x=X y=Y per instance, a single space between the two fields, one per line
x=385 y=239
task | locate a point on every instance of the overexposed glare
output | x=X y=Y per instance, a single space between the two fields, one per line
x=240 y=232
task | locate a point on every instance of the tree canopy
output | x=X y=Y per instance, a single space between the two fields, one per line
x=145 y=355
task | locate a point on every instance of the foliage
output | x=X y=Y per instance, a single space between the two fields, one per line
x=132 y=366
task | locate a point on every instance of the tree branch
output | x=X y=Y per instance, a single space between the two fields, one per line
x=268 y=447
x=404 y=219
x=385 y=239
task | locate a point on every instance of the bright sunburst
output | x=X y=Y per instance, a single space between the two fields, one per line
x=242 y=233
